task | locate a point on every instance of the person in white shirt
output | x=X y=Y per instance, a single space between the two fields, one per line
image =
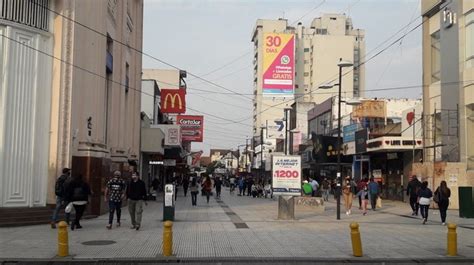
x=315 y=186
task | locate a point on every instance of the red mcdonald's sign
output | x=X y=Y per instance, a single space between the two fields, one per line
x=173 y=101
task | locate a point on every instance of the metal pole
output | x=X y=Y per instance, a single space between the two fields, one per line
x=339 y=173
x=262 y=171
x=414 y=122
x=286 y=132
x=246 y=151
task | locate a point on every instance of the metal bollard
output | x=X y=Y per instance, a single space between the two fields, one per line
x=452 y=240
x=355 y=238
x=168 y=239
x=63 y=241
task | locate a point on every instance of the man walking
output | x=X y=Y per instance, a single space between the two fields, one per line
x=315 y=186
x=325 y=186
x=373 y=192
x=218 y=186
x=412 y=190
x=114 y=193
x=60 y=191
x=136 y=194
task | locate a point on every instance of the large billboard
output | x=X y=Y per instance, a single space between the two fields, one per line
x=286 y=172
x=278 y=64
x=192 y=127
x=173 y=101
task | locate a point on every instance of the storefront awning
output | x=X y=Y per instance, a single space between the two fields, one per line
x=393 y=144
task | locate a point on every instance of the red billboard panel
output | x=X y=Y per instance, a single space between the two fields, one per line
x=192 y=127
x=173 y=101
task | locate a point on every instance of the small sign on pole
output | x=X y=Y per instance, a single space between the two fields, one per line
x=286 y=172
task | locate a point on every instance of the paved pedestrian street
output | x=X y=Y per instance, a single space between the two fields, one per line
x=245 y=227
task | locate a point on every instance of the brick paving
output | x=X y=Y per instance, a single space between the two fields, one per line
x=209 y=231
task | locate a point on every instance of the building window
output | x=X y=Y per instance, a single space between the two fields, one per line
x=127 y=79
x=435 y=57
x=306 y=73
x=470 y=39
x=306 y=49
x=306 y=61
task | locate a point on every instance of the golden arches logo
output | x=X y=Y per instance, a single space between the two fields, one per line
x=170 y=98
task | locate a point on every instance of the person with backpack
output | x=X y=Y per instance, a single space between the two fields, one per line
x=77 y=192
x=424 y=199
x=59 y=190
x=114 y=194
x=441 y=197
x=412 y=189
x=373 y=193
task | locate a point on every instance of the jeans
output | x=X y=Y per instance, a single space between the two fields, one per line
x=114 y=206
x=135 y=208
x=79 y=212
x=208 y=194
x=218 y=192
x=414 y=204
x=373 y=201
x=194 y=198
x=60 y=203
x=185 y=189
x=443 y=208
x=326 y=195
x=424 y=211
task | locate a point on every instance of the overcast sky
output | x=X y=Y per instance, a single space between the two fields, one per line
x=200 y=36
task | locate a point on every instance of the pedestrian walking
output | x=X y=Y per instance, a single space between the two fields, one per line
x=348 y=194
x=194 y=191
x=325 y=188
x=373 y=193
x=77 y=193
x=412 y=190
x=363 y=194
x=115 y=194
x=315 y=186
x=360 y=186
x=207 y=187
x=441 y=197
x=136 y=194
x=60 y=191
x=218 y=186
x=424 y=199
x=249 y=186
x=241 y=186
x=185 y=185
x=231 y=184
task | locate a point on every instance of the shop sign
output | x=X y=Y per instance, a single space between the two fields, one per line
x=349 y=132
x=370 y=109
x=361 y=141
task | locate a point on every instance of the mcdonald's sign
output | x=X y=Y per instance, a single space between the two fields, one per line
x=173 y=101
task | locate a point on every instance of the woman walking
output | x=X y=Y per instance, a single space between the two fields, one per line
x=424 y=199
x=442 y=195
x=77 y=192
x=207 y=188
x=194 y=192
x=347 y=192
x=363 y=195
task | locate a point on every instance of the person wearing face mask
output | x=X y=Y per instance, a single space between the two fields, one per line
x=363 y=194
x=136 y=194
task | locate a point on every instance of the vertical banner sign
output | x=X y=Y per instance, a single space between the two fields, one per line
x=286 y=172
x=173 y=101
x=278 y=64
x=192 y=127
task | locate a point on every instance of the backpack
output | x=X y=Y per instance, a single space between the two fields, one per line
x=59 y=186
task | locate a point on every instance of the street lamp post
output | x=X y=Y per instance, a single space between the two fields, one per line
x=286 y=129
x=341 y=65
x=262 y=170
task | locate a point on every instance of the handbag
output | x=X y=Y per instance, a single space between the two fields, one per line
x=69 y=207
x=436 y=198
x=379 y=202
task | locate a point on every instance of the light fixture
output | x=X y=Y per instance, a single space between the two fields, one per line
x=345 y=63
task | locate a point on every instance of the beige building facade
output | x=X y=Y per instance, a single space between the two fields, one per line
x=448 y=94
x=89 y=100
x=318 y=49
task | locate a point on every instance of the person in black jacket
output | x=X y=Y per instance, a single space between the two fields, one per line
x=136 y=194
x=77 y=193
x=442 y=195
x=412 y=189
x=424 y=199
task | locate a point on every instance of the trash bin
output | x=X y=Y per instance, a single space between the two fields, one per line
x=466 y=202
x=168 y=207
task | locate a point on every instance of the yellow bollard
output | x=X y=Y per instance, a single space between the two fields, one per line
x=168 y=239
x=452 y=240
x=63 y=241
x=355 y=238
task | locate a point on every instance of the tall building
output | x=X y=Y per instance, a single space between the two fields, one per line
x=448 y=94
x=314 y=56
x=79 y=109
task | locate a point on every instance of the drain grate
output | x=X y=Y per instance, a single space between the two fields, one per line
x=241 y=225
x=99 y=242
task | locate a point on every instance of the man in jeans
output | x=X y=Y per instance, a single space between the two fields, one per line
x=114 y=193
x=60 y=191
x=373 y=192
x=136 y=194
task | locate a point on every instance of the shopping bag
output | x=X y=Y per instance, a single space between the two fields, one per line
x=69 y=207
x=379 y=202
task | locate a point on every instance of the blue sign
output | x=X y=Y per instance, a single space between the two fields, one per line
x=349 y=132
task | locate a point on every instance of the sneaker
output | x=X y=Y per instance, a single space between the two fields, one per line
x=424 y=221
x=53 y=225
x=73 y=226
x=133 y=227
x=443 y=224
x=78 y=226
x=347 y=212
x=350 y=211
x=118 y=224
x=365 y=213
x=137 y=228
x=109 y=226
